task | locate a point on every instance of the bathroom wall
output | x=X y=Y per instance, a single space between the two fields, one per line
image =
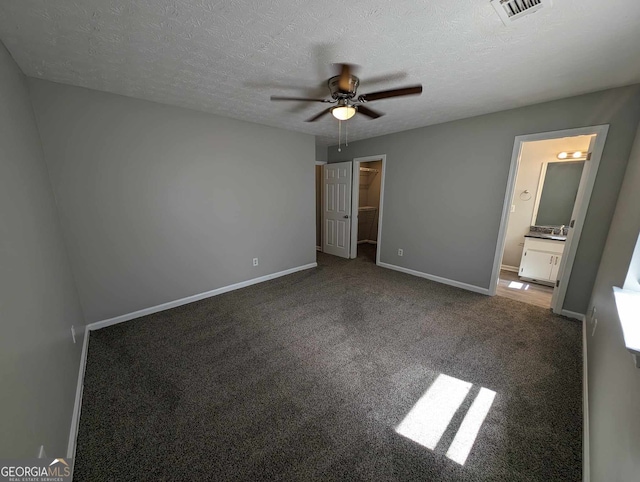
x=534 y=154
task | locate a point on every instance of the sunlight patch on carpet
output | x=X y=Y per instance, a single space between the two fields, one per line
x=430 y=417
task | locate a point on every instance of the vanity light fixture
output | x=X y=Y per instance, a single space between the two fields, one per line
x=577 y=155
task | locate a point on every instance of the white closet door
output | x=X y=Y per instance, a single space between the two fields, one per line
x=336 y=212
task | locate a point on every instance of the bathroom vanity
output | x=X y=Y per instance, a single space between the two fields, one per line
x=541 y=258
x=552 y=213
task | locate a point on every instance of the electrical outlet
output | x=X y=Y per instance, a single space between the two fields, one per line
x=400 y=252
x=73 y=333
x=513 y=208
x=595 y=325
x=255 y=261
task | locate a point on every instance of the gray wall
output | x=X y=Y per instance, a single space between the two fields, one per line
x=445 y=186
x=614 y=381
x=322 y=153
x=159 y=203
x=38 y=301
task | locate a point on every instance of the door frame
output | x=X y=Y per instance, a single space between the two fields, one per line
x=355 y=201
x=580 y=208
x=320 y=163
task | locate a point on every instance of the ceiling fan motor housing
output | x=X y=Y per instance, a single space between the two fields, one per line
x=343 y=89
x=334 y=87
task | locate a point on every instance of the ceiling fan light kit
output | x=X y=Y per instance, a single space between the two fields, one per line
x=344 y=112
x=343 y=89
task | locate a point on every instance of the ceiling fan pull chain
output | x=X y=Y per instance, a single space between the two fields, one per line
x=346 y=135
x=339 y=135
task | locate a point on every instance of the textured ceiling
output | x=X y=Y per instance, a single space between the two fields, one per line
x=227 y=57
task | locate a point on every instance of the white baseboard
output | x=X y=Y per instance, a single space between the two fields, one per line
x=586 y=449
x=446 y=281
x=506 y=267
x=75 y=418
x=190 y=299
x=573 y=315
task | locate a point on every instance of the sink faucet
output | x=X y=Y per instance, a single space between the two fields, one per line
x=560 y=232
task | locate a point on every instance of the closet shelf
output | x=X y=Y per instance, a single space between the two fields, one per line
x=367 y=208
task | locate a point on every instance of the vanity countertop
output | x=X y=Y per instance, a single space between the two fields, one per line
x=553 y=237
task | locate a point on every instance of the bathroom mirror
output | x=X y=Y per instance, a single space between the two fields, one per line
x=556 y=194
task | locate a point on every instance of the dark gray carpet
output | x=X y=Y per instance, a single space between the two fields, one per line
x=305 y=378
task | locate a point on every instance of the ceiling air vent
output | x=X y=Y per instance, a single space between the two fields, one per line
x=512 y=10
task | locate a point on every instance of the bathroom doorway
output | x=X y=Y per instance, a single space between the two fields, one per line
x=367 y=195
x=548 y=192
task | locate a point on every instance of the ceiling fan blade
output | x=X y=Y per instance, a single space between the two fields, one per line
x=369 y=112
x=317 y=116
x=385 y=94
x=302 y=99
x=344 y=83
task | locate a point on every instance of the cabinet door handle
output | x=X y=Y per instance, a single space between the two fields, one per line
x=556 y=263
x=551 y=260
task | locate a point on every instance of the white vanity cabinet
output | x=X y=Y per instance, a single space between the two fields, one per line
x=541 y=260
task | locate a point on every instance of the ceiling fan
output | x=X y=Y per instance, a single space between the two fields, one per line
x=343 y=88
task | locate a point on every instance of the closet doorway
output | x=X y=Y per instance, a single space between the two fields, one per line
x=367 y=198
